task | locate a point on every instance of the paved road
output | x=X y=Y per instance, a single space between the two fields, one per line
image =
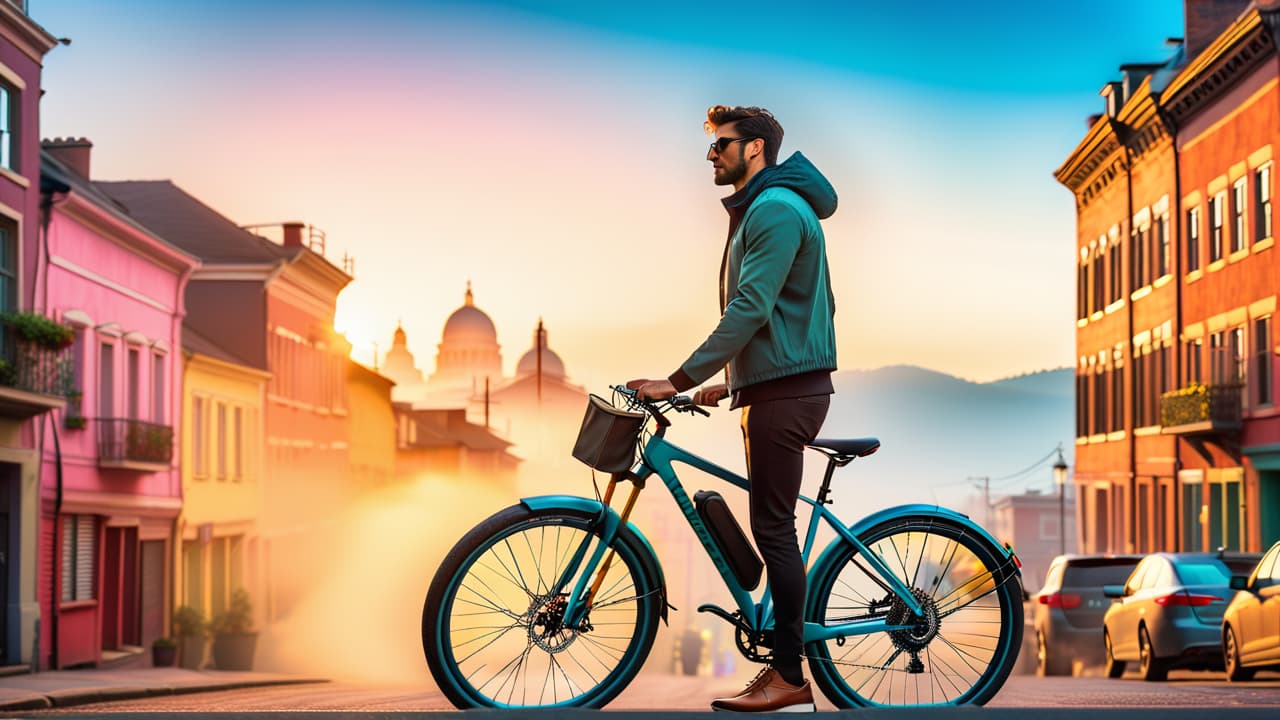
x=679 y=693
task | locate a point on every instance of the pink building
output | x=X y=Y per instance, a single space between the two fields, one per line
x=26 y=397
x=110 y=487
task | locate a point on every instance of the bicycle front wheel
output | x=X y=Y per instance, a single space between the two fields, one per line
x=959 y=652
x=492 y=623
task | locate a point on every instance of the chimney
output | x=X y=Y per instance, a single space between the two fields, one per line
x=1113 y=98
x=293 y=234
x=72 y=152
x=1206 y=19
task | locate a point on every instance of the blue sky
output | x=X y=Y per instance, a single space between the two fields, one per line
x=552 y=153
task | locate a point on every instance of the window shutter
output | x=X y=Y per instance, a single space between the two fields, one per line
x=86 y=553
x=68 y=557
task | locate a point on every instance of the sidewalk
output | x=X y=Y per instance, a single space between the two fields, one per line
x=61 y=688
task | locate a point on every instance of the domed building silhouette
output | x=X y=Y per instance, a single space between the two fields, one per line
x=552 y=365
x=399 y=365
x=468 y=351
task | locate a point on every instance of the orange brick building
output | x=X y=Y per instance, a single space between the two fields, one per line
x=1178 y=431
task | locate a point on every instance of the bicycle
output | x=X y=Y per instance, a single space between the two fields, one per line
x=555 y=601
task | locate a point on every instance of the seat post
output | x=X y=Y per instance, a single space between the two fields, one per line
x=825 y=490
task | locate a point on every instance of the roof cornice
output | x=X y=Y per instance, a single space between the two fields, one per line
x=33 y=40
x=1095 y=162
x=1242 y=47
x=1144 y=125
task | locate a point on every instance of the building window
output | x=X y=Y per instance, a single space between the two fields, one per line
x=1113 y=253
x=1141 y=256
x=1215 y=226
x=1192 y=367
x=79 y=553
x=1238 y=200
x=1193 y=239
x=8 y=266
x=1218 y=360
x=199 y=436
x=8 y=106
x=1082 y=292
x=1098 y=277
x=1236 y=352
x=1140 y=367
x=157 y=389
x=1262 y=195
x=1082 y=406
x=1099 y=400
x=220 y=427
x=107 y=380
x=237 y=437
x=1163 y=264
x=1117 y=395
x=135 y=382
x=1262 y=359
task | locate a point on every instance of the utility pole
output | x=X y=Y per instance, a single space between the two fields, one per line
x=986 y=498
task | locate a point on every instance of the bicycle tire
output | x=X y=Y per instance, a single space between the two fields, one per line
x=877 y=669
x=630 y=599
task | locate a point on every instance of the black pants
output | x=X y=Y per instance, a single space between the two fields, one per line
x=775 y=433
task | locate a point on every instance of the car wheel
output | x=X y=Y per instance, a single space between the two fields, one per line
x=1046 y=664
x=1231 y=658
x=1115 y=668
x=1148 y=664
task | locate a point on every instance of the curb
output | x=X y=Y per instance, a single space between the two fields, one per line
x=111 y=693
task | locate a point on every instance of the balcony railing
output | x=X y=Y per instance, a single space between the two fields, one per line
x=33 y=376
x=1202 y=409
x=134 y=444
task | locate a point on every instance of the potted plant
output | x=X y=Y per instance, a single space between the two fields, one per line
x=233 y=638
x=190 y=628
x=164 y=652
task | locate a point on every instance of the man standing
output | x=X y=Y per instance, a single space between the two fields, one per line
x=777 y=340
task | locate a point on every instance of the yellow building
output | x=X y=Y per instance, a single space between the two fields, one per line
x=372 y=440
x=222 y=479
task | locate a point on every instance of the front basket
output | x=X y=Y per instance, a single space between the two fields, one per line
x=607 y=438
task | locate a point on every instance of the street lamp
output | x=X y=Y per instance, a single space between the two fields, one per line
x=1060 y=479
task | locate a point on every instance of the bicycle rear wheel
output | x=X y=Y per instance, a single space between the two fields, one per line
x=492 y=626
x=960 y=652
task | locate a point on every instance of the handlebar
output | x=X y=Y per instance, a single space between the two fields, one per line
x=677 y=403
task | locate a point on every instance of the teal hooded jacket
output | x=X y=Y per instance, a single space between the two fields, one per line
x=775 y=288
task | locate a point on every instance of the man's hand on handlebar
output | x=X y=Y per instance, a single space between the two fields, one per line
x=711 y=395
x=652 y=389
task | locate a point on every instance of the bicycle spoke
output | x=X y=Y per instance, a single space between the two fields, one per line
x=549 y=665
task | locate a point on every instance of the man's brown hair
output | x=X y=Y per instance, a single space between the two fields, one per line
x=752 y=122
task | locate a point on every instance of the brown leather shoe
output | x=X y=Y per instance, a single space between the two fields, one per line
x=768 y=692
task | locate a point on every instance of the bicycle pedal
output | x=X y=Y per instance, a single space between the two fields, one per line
x=718 y=612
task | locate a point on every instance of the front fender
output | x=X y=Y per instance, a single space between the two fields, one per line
x=611 y=520
x=870 y=521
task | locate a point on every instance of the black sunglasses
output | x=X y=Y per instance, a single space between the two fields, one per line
x=722 y=144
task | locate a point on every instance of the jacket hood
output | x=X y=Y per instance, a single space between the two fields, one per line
x=795 y=173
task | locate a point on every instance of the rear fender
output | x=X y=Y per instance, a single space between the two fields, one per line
x=606 y=515
x=830 y=553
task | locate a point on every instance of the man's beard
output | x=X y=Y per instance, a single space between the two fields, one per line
x=733 y=173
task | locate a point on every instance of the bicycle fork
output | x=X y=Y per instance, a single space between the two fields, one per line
x=581 y=597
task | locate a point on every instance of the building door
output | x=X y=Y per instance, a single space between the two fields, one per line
x=111 y=578
x=1269 y=506
x=1225 y=525
x=130 y=607
x=8 y=474
x=1194 y=510
x=152 y=591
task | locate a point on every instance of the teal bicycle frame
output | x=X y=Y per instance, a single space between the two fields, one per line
x=659 y=457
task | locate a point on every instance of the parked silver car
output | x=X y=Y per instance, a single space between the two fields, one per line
x=1067 y=612
x=1169 y=612
x=1251 y=623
